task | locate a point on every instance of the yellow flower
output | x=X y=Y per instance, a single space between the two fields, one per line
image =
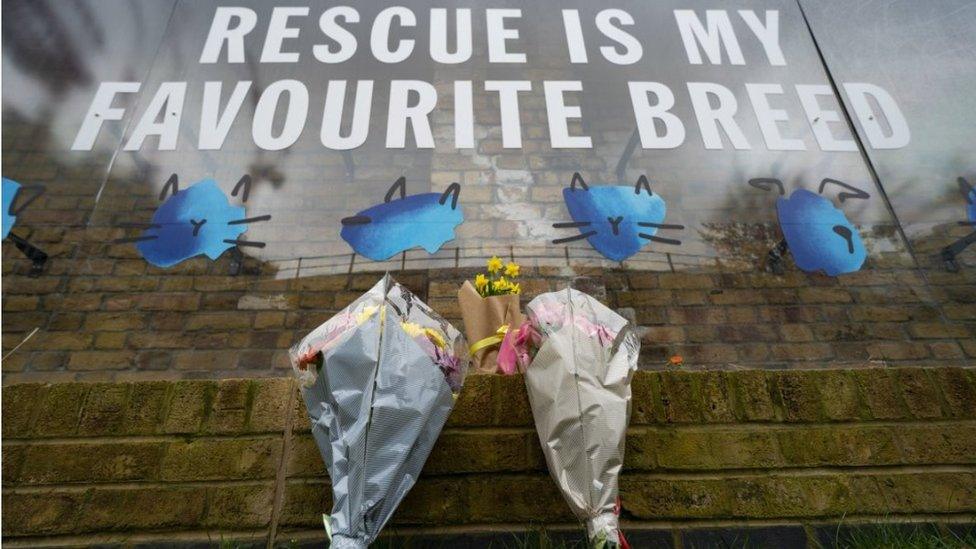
x=494 y=264
x=435 y=337
x=412 y=329
x=516 y=288
x=501 y=284
x=480 y=282
x=512 y=270
x=367 y=312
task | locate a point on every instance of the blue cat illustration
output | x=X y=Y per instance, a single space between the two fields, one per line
x=16 y=198
x=198 y=220
x=616 y=220
x=816 y=233
x=423 y=220
x=969 y=193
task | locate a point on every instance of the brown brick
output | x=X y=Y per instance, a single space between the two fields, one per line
x=104 y=409
x=31 y=514
x=235 y=507
x=897 y=350
x=106 y=322
x=474 y=405
x=221 y=459
x=219 y=321
x=144 y=411
x=141 y=508
x=752 y=400
x=101 y=360
x=269 y=408
x=71 y=341
x=937 y=443
x=959 y=388
x=88 y=462
x=801 y=351
x=19 y=404
x=881 y=393
x=920 y=392
x=824 y=295
x=16 y=303
x=188 y=405
x=60 y=410
x=937 y=330
x=798 y=394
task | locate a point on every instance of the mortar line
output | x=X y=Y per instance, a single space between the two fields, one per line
x=280 y=477
x=720 y=427
x=693 y=475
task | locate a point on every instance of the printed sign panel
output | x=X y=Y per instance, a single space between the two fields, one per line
x=921 y=54
x=571 y=134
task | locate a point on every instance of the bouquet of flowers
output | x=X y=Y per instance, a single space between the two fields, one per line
x=579 y=358
x=379 y=381
x=490 y=309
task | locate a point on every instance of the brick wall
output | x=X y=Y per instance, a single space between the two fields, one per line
x=210 y=460
x=127 y=321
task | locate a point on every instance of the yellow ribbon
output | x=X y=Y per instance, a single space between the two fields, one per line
x=490 y=340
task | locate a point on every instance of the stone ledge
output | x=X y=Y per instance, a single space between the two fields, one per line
x=754 y=446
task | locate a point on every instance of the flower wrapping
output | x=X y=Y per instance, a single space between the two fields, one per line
x=483 y=316
x=379 y=380
x=582 y=358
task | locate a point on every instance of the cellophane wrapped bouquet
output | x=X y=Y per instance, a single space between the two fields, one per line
x=579 y=358
x=379 y=380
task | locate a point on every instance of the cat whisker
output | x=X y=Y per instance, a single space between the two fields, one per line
x=245 y=243
x=137 y=225
x=574 y=238
x=135 y=239
x=356 y=220
x=661 y=226
x=571 y=225
x=659 y=239
x=249 y=220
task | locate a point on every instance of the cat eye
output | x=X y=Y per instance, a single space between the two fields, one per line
x=846 y=234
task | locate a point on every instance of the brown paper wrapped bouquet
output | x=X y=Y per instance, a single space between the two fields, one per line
x=490 y=308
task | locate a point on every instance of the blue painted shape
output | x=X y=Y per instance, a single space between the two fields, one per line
x=10 y=189
x=174 y=226
x=401 y=224
x=598 y=205
x=815 y=232
x=971 y=210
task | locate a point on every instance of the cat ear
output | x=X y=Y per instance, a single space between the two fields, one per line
x=767 y=183
x=25 y=195
x=643 y=183
x=855 y=192
x=453 y=190
x=172 y=186
x=243 y=183
x=400 y=184
x=966 y=189
x=578 y=179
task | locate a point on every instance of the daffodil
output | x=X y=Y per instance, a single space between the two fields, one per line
x=435 y=337
x=494 y=264
x=412 y=329
x=515 y=288
x=481 y=282
x=512 y=270
x=367 y=312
